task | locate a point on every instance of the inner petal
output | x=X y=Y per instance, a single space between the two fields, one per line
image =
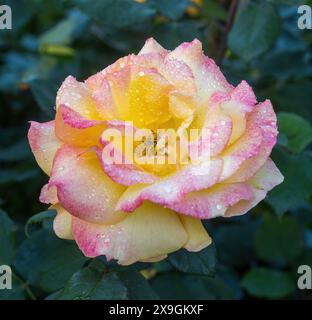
x=149 y=99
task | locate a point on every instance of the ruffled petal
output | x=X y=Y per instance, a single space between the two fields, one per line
x=264 y=180
x=152 y=46
x=83 y=189
x=179 y=74
x=103 y=98
x=236 y=104
x=173 y=188
x=43 y=144
x=267 y=177
x=181 y=106
x=73 y=129
x=198 y=238
x=151 y=231
x=207 y=74
x=244 y=96
x=116 y=69
x=77 y=96
x=48 y=194
x=247 y=146
x=213 y=202
x=216 y=132
x=263 y=117
x=62 y=223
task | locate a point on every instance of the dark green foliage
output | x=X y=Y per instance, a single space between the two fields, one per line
x=253 y=256
x=46 y=261
x=255 y=30
x=202 y=262
x=8 y=231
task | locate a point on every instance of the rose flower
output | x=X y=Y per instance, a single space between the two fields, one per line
x=135 y=211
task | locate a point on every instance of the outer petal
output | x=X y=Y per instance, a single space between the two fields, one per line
x=152 y=46
x=176 y=72
x=73 y=129
x=77 y=96
x=43 y=143
x=208 y=76
x=105 y=104
x=151 y=231
x=95 y=81
x=263 y=117
x=83 y=189
x=218 y=128
x=213 y=202
x=173 y=188
x=198 y=238
x=247 y=146
x=244 y=96
x=48 y=194
x=265 y=179
x=235 y=104
x=62 y=223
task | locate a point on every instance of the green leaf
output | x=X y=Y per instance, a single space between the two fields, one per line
x=232 y=280
x=294 y=96
x=89 y=284
x=296 y=189
x=100 y=281
x=254 y=31
x=42 y=219
x=279 y=240
x=64 y=32
x=202 y=262
x=137 y=287
x=297 y=130
x=44 y=92
x=268 y=283
x=57 y=50
x=173 y=9
x=116 y=13
x=180 y=286
x=276 y=64
x=46 y=261
x=8 y=231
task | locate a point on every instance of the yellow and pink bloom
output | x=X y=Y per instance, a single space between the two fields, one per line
x=133 y=212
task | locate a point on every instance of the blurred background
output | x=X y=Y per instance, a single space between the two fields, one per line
x=253 y=257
